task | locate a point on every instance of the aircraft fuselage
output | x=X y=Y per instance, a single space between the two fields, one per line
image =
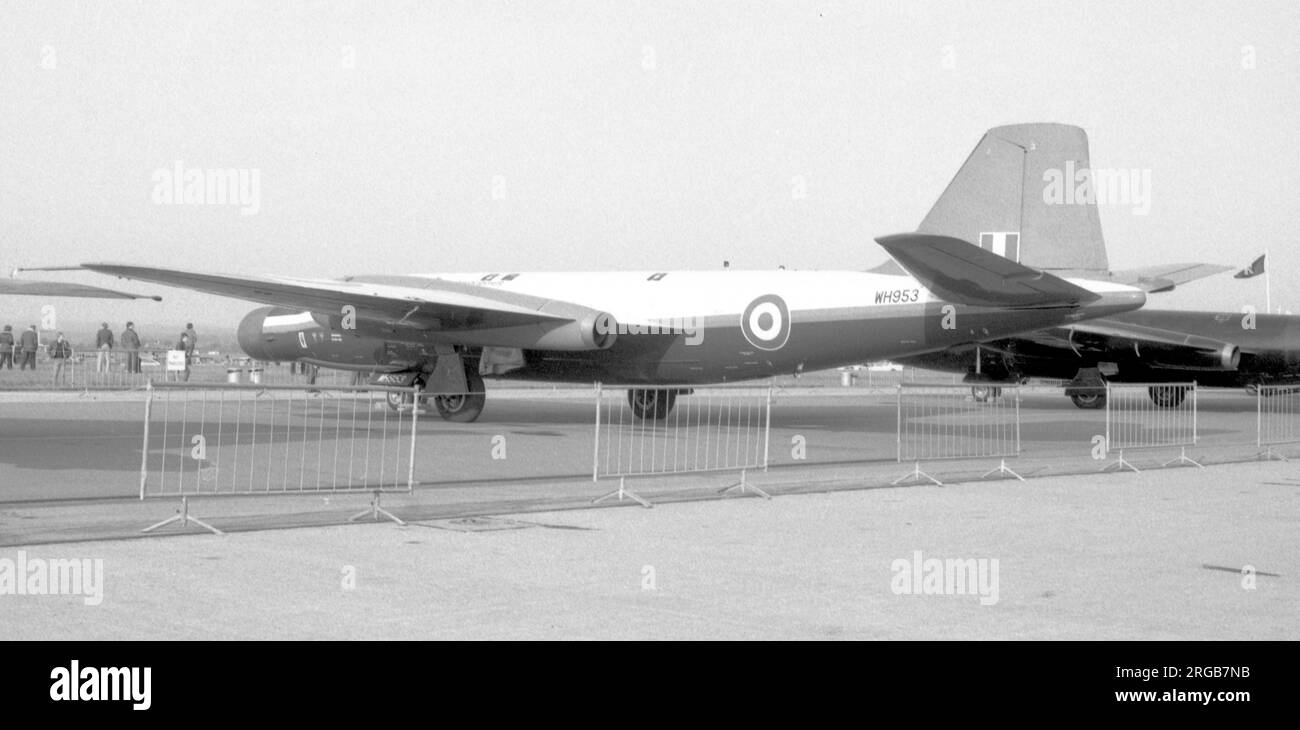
x=681 y=327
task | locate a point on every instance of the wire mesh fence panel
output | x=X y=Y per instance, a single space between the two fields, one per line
x=940 y=421
x=1277 y=415
x=667 y=431
x=1150 y=415
x=211 y=439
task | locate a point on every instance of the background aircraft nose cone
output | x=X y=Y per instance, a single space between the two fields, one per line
x=251 y=338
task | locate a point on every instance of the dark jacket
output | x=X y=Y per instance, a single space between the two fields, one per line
x=29 y=341
x=59 y=350
x=6 y=341
x=130 y=340
x=104 y=337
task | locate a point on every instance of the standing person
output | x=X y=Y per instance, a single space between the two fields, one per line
x=27 y=345
x=131 y=341
x=103 y=343
x=7 y=347
x=186 y=346
x=190 y=352
x=59 y=351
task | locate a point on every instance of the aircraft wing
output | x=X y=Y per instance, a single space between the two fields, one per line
x=962 y=272
x=61 y=289
x=1138 y=333
x=1160 y=345
x=1164 y=277
x=455 y=310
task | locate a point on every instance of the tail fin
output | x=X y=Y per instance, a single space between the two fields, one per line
x=997 y=200
x=963 y=273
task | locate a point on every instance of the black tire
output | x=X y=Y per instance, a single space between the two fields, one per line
x=1166 y=396
x=397 y=401
x=402 y=401
x=465 y=407
x=1089 y=401
x=651 y=405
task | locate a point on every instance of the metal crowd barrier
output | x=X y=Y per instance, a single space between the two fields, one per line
x=210 y=440
x=944 y=422
x=95 y=370
x=84 y=371
x=1150 y=416
x=1277 y=418
x=706 y=429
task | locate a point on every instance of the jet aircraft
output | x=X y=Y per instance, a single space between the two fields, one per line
x=661 y=332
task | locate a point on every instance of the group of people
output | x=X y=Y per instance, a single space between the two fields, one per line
x=23 y=349
x=104 y=344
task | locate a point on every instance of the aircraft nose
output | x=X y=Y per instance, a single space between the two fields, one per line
x=250 y=335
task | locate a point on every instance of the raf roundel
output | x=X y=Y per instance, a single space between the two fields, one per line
x=766 y=322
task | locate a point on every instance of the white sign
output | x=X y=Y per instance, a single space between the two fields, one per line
x=175 y=361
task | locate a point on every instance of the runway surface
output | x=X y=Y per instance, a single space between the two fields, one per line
x=508 y=547
x=1151 y=556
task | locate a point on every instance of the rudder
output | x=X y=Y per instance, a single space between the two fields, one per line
x=997 y=200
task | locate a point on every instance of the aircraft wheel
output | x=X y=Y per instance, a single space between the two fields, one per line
x=1089 y=401
x=402 y=401
x=1167 y=396
x=463 y=407
x=648 y=404
x=397 y=401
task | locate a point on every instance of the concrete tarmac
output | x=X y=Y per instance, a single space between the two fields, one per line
x=1151 y=556
x=509 y=547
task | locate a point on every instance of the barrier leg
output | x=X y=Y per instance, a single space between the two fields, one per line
x=1183 y=458
x=743 y=486
x=184 y=517
x=1002 y=470
x=916 y=474
x=622 y=493
x=375 y=511
x=1121 y=465
x=1269 y=455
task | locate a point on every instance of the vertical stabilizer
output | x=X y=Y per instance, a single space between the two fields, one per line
x=998 y=200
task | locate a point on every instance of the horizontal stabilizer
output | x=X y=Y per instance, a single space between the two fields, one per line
x=1164 y=277
x=964 y=273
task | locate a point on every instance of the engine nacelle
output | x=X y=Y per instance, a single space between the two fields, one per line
x=273 y=333
x=1199 y=353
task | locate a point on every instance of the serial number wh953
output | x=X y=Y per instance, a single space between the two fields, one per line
x=898 y=296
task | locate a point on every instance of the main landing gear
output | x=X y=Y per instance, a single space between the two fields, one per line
x=985 y=393
x=651 y=405
x=456 y=407
x=1091 y=400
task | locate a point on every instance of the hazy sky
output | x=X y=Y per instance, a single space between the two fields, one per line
x=393 y=137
